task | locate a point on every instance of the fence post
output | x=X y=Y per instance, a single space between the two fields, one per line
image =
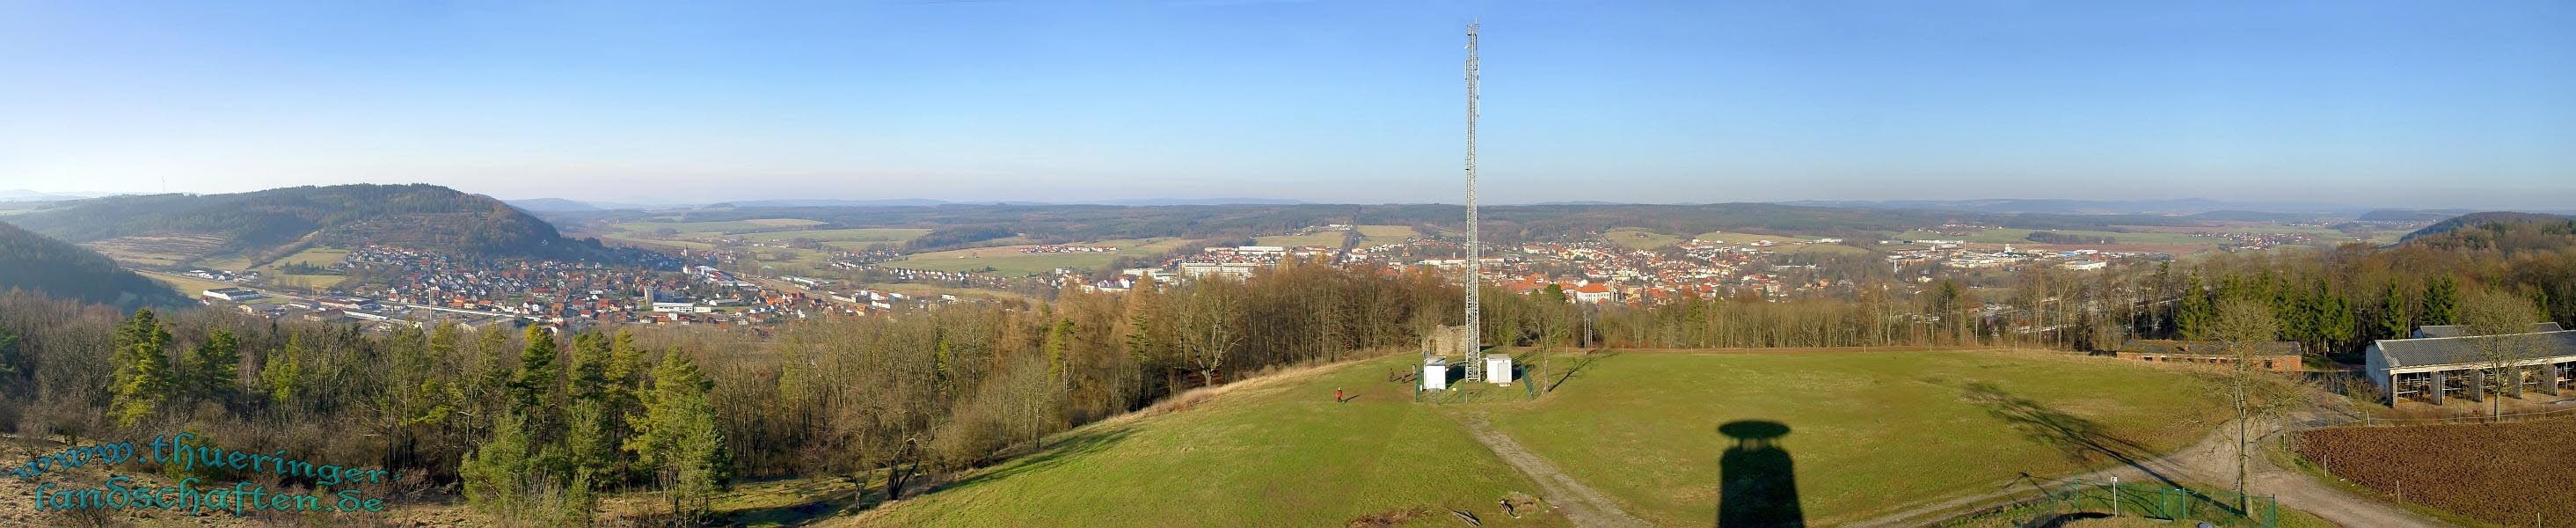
x=2274 y=519
x=2115 y=495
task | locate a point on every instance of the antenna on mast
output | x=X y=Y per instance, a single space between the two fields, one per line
x=1473 y=342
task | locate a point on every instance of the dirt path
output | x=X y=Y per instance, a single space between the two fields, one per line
x=2212 y=460
x=1579 y=503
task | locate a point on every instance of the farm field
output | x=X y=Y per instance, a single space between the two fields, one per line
x=310 y=256
x=1633 y=238
x=185 y=285
x=1829 y=249
x=2021 y=236
x=843 y=235
x=233 y=263
x=1384 y=234
x=713 y=227
x=632 y=238
x=705 y=235
x=1009 y=261
x=1272 y=452
x=156 y=250
x=1746 y=238
x=1643 y=426
x=1330 y=239
x=2495 y=473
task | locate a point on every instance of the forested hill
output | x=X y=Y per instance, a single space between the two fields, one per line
x=59 y=269
x=427 y=217
x=2500 y=231
x=2485 y=219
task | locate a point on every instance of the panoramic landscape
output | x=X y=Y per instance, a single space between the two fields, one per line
x=1350 y=264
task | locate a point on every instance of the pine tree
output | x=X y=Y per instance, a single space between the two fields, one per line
x=142 y=369
x=496 y=474
x=215 y=367
x=283 y=373
x=943 y=359
x=2291 y=308
x=2441 y=301
x=10 y=369
x=2198 y=312
x=2331 y=320
x=590 y=447
x=2391 y=321
x=625 y=366
x=431 y=400
x=535 y=377
x=1058 y=340
x=620 y=405
x=679 y=440
x=1142 y=344
x=587 y=377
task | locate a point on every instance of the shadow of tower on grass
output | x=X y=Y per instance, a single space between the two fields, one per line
x=1757 y=483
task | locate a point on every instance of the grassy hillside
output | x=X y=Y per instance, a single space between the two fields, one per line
x=1276 y=453
x=1641 y=427
x=60 y=269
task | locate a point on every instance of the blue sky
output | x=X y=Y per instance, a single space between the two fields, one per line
x=2398 y=103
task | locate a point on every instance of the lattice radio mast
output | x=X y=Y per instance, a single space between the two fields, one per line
x=1474 y=340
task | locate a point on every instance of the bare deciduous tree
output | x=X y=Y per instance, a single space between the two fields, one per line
x=2245 y=326
x=1209 y=328
x=2507 y=351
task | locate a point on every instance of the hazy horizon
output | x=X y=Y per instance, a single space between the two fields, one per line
x=2375 y=104
x=1202 y=200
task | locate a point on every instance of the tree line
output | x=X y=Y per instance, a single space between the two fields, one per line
x=533 y=426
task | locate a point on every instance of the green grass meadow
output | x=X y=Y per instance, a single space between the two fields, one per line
x=1869 y=431
x=1281 y=454
x=318 y=256
x=1641 y=427
x=1384 y=234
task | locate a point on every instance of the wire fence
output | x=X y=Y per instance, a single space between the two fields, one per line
x=2154 y=500
x=2473 y=417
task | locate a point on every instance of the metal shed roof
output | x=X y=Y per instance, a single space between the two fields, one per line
x=2404 y=353
x=2463 y=330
